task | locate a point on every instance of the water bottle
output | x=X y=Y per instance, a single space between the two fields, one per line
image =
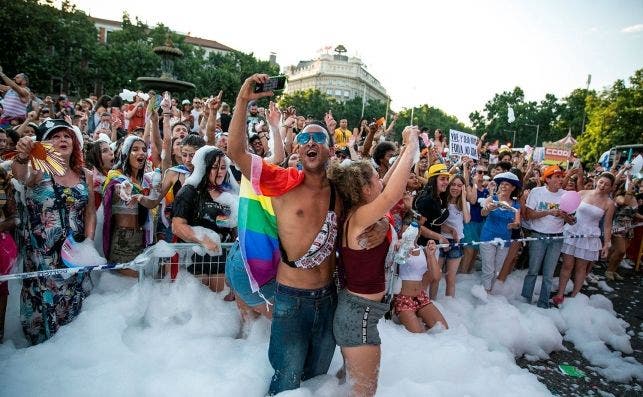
x=407 y=244
x=157 y=177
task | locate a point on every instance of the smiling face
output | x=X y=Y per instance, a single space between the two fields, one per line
x=137 y=156
x=455 y=188
x=506 y=188
x=314 y=155
x=442 y=183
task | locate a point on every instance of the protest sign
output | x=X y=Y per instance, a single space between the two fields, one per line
x=463 y=144
x=557 y=156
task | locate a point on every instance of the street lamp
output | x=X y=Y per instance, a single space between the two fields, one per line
x=513 y=141
x=537 y=130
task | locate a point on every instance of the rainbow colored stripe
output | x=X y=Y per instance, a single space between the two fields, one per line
x=258 y=237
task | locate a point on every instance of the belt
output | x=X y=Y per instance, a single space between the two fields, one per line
x=548 y=234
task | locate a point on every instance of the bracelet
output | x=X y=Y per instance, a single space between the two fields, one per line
x=21 y=160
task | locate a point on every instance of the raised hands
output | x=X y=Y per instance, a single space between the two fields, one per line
x=215 y=102
x=274 y=116
x=247 y=90
x=330 y=121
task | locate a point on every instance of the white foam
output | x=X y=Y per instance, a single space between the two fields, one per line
x=169 y=339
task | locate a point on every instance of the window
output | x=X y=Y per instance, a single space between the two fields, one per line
x=338 y=92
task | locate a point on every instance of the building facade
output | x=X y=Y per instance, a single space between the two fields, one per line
x=337 y=75
x=105 y=26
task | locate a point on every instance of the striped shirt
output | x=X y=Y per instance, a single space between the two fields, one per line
x=13 y=105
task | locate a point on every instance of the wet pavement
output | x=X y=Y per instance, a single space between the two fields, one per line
x=626 y=299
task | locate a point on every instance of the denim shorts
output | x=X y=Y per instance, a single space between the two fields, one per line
x=453 y=252
x=356 y=320
x=237 y=277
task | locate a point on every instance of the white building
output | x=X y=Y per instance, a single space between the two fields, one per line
x=337 y=75
x=105 y=26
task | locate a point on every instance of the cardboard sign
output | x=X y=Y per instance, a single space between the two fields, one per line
x=463 y=144
x=556 y=156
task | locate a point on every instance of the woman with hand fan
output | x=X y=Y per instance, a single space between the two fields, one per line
x=59 y=203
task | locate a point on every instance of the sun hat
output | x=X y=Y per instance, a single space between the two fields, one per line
x=438 y=169
x=508 y=177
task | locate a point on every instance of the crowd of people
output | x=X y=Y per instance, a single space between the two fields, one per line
x=337 y=203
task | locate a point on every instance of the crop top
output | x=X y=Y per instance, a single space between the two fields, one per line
x=414 y=268
x=364 y=270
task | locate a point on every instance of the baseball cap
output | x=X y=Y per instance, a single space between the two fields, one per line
x=552 y=170
x=185 y=102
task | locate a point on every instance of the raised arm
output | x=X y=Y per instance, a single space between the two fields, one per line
x=166 y=151
x=274 y=120
x=237 y=136
x=213 y=105
x=22 y=92
x=370 y=213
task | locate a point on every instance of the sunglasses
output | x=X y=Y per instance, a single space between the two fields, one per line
x=482 y=172
x=318 y=137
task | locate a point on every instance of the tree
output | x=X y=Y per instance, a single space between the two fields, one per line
x=429 y=117
x=615 y=117
x=53 y=46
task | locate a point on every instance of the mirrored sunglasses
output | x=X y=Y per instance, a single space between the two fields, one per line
x=318 y=137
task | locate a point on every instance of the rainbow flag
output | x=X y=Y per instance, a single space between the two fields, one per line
x=258 y=237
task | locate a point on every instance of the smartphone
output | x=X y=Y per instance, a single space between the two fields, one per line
x=273 y=84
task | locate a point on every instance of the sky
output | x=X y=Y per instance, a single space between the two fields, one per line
x=452 y=55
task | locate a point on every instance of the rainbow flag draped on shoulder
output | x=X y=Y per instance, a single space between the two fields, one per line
x=258 y=237
x=115 y=177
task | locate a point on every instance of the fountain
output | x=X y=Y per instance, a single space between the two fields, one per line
x=167 y=81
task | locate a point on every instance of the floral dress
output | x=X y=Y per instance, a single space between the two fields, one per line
x=54 y=211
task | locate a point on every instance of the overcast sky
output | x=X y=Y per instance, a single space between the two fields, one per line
x=454 y=55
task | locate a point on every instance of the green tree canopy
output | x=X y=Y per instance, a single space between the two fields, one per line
x=615 y=117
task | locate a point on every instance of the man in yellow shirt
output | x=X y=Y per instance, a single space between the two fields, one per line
x=342 y=134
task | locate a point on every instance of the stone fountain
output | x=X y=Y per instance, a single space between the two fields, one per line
x=167 y=81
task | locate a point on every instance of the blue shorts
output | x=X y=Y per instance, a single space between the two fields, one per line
x=453 y=252
x=237 y=277
x=472 y=232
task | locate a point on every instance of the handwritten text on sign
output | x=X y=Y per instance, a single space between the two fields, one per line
x=463 y=144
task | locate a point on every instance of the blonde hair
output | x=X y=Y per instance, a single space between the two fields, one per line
x=350 y=180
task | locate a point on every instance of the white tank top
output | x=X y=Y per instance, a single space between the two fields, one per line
x=414 y=268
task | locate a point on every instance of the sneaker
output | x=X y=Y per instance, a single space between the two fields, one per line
x=626 y=264
x=558 y=300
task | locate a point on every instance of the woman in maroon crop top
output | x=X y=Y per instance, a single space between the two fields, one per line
x=360 y=305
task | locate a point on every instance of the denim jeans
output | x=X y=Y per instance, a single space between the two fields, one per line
x=301 y=339
x=542 y=254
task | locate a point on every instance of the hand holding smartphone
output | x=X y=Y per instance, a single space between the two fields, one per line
x=274 y=83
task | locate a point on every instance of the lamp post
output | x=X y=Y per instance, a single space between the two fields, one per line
x=537 y=130
x=513 y=140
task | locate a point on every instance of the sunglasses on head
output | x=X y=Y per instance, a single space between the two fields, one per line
x=318 y=137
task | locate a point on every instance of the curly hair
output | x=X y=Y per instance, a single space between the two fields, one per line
x=350 y=181
x=380 y=151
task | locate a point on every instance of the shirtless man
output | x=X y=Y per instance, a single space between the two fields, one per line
x=301 y=341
